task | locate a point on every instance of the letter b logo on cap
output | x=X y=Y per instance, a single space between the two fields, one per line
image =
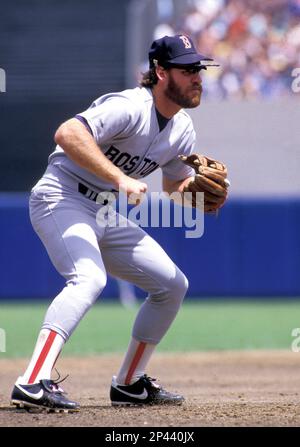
x=186 y=41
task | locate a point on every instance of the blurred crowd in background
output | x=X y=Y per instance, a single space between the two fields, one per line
x=256 y=42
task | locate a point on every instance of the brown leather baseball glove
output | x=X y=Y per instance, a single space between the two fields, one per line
x=210 y=178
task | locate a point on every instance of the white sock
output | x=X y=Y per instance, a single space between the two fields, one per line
x=135 y=362
x=47 y=348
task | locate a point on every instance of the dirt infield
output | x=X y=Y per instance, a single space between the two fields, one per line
x=221 y=389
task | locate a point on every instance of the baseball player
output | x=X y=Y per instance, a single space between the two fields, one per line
x=119 y=140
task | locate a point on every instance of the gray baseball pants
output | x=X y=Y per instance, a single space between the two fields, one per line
x=82 y=252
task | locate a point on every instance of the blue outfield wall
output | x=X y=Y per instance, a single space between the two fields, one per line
x=251 y=249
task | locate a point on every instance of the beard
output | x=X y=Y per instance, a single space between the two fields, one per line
x=185 y=100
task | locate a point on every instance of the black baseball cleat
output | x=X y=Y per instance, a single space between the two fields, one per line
x=142 y=392
x=45 y=395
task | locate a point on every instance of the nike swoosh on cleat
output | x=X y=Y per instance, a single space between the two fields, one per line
x=141 y=396
x=35 y=396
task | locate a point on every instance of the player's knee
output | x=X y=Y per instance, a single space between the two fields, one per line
x=174 y=290
x=97 y=284
x=92 y=285
x=185 y=284
x=179 y=285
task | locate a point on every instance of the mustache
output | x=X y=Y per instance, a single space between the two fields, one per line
x=197 y=87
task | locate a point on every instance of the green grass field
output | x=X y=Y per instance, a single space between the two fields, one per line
x=200 y=326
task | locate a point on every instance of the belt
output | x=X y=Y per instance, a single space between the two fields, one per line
x=90 y=194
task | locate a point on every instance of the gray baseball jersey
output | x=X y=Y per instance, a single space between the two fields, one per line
x=126 y=128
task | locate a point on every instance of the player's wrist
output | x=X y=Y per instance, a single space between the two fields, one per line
x=119 y=179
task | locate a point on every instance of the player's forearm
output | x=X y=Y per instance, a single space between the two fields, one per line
x=177 y=186
x=171 y=187
x=81 y=147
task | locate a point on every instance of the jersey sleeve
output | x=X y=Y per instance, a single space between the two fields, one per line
x=175 y=169
x=115 y=117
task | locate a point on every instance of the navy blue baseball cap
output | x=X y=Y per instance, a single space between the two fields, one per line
x=179 y=50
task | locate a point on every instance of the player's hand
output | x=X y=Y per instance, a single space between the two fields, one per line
x=134 y=189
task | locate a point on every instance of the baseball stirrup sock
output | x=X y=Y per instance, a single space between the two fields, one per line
x=135 y=362
x=48 y=347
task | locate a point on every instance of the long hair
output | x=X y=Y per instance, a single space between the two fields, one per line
x=149 y=78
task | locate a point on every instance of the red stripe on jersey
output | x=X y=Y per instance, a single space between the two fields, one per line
x=42 y=356
x=139 y=352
